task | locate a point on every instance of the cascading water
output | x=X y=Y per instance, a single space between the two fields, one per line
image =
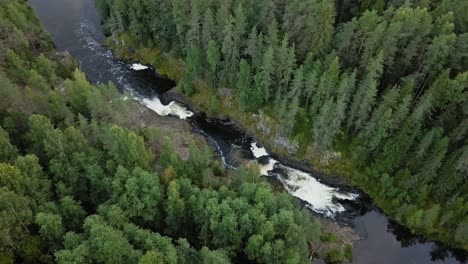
x=319 y=197
x=75 y=27
x=138 y=67
x=171 y=109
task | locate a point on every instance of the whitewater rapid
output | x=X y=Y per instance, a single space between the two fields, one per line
x=319 y=197
x=171 y=109
x=138 y=67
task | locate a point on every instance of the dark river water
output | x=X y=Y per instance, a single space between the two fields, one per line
x=75 y=27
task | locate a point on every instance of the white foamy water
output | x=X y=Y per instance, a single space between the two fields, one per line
x=258 y=151
x=265 y=168
x=261 y=152
x=138 y=67
x=172 y=108
x=319 y=197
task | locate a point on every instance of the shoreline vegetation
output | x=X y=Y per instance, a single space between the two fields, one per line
x=372 y=90
x=222 y=105
x=87 y=176
x=225 y=106
x=335 y=245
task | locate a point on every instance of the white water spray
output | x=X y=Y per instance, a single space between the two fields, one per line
x=138 y=67
x=319 y=197
x=258 y=151
x=173 y=108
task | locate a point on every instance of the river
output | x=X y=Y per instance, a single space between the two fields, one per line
x=75 y=27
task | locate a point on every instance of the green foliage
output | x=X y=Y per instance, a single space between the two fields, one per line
x=213 y=58
x=377 y=77
x=18 y=69
x=186 y=84
x=51 y=227
x=99 y=198
x=244 y=87
x=8 y=152
x=46 y=68
x=127 y=148
x=139 y=194
x=79 y=90
x=90 y=191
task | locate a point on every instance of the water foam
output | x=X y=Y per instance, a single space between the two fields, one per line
x=319 y=197
x=173 y=108
x=265 y=168
x=138 y=67
x=258 y=151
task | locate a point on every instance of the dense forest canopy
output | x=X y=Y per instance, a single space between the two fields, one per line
x=82 y=183
x=384 y=80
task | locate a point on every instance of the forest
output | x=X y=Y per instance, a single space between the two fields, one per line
x=384 y=82
x=80 y=183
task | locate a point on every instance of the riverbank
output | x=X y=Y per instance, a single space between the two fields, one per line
x=333 y=167
x=337 y=240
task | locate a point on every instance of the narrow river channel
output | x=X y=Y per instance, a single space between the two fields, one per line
x=75 y=27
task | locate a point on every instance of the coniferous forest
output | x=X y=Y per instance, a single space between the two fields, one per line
x=81 y=183
x=385 y=82
x=89 y=176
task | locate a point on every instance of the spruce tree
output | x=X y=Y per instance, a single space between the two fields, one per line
x=263 y=78
x=255 y=48
x=364 y=99
x=213 y=58
x=243 y=85
x=208 y=28
x=293 y=99
x=230 y=52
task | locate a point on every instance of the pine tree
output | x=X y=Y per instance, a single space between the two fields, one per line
x=230 y=52
x=389 y=102
x=213 y=58
x=404 y=104
x=263 y=78
x=285 y=62
x=311 y=83
x=240 y=26
x=255 y=48
x=328 y=122
x=433 y=162
x=186 y=84
x=180 y=18
x=193 y=60
x=194 y=32
x=135 y=14
x=208 y=28
x=326 y=87
x=291 y=102
x=243 y=85
x=272 y=38
x=223 y=14
x=322 y=136
x=310 y=25
x=364 y=100
x=396 y=148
